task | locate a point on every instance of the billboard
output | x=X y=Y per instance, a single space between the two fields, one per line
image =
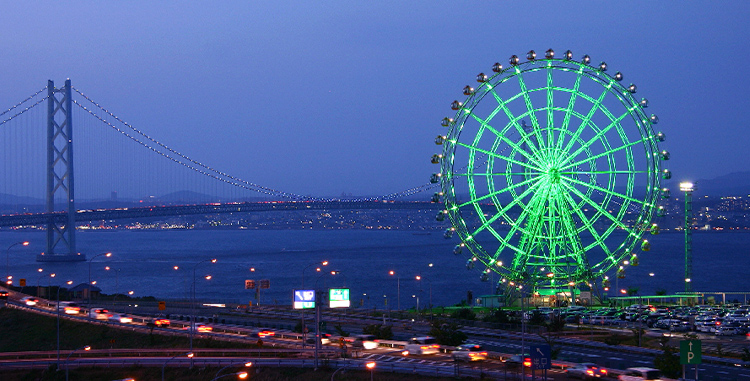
x=304 y=299
x=338 y=298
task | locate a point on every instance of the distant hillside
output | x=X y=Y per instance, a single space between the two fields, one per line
x=733 y=184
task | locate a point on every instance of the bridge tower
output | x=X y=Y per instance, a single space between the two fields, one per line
x=61 y=239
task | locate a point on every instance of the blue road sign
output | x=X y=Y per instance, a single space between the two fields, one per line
x=541 y=356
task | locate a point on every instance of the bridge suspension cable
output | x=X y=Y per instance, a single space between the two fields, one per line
x=206 y=171
x=19 y=104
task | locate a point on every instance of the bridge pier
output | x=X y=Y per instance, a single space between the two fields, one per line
x=61 y=241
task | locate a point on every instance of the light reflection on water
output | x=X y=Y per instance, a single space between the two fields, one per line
x=146 y=260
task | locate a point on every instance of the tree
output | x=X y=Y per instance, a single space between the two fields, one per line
x=632 y=291
x=497 y=315
x=380 y=331
x=447 y=333
x=668 y=362
x=464 y=313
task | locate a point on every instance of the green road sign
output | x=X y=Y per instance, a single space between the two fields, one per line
x=690 y=352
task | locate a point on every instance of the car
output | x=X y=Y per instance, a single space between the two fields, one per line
x=4 y=294
x=518 y=361
x=121 y=318
x=365 y=341
x=159 y=322
x=70 y=308
x=325 y=338
x=265 y=333
x=469 y=352
x=29 y=300
x=425 y=345
x=199 y=328
x=99 y=313
x=640 y=374
x=587 y=371
x=726 y=331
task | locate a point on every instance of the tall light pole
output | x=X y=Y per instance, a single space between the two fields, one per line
x=398 y=289
x=188 y=354
x=57 y=307
x=89 y=285
x=192 y=305
x=688 y=188
x=302 y=311
x=117 y=284
x=7 y=259
x=85 y=348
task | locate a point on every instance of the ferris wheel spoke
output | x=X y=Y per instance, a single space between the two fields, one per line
x=502 y=213
x=569 y=237
x=571 y=104
x=586 y=119
x=512 y=118
x=598 y=208
x=603 y=172
x=498 y=156
x=588 y=225
x=550 y=108
x=491 y=174
x=605 y=153
x=529 y=106
x=505 y=139
x=501 y=191
x=605 y=190
x=530 y=239
x=598 y=136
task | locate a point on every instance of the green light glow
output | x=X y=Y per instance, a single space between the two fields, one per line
x=544 y=183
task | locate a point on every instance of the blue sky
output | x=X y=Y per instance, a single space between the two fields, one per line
x=328 y=97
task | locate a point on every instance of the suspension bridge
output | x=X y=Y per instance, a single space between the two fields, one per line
x=120 y=172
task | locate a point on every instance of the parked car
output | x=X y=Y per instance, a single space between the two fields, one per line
x=587 y=371
x=425 y=345
x=640 y=374
x=469 y=352
x=726 y=331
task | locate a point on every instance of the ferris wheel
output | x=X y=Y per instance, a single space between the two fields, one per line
x=550 y=171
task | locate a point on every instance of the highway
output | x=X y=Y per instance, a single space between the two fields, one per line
x=242 y=327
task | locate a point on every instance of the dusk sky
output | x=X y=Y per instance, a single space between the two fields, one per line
x=347 y=96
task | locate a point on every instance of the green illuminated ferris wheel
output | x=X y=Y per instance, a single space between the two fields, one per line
x=550 y=171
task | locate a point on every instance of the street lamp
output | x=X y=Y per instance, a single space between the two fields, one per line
x=324 y=263
x=371 y=366
x=57 y=307
x=302 y=311
x=247 y=365
x=188 y=354
x=240 y=375
x=40 y=270
x=192 y=306
x=398 y=289
x=7 y=258
x=89 y=285
x=85 y=348
x=117 y=284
